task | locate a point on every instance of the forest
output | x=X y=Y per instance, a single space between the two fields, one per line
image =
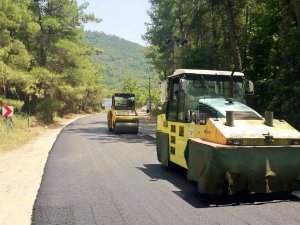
x=260 y=38
x=44 y=66
x=49 y=65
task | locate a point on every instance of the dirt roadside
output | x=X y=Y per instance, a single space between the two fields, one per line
x=21 y=173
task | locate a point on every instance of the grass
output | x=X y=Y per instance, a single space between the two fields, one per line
x=19 y=134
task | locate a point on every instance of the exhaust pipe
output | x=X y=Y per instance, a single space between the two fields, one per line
x=230 y=118
x=269 y=118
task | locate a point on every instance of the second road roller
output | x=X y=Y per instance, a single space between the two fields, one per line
x=122 y=117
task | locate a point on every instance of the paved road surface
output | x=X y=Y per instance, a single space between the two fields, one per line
x=95 y=177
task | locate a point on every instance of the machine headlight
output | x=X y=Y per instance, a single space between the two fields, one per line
x=295 y=142
x=234 y=142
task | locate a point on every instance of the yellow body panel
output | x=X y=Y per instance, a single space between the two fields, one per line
x=179 y=134
x=249 y=133
x=211 y=133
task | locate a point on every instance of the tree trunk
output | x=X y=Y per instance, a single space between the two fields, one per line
x=41 y=52
x=297 y=10
x=246 y=38
x=214 y=39
x=233 y=37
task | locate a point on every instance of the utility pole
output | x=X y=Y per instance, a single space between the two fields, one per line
x=150 y=108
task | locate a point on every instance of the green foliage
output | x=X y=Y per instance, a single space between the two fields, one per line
x=129 y=85
x=43 y=61
x=259 y=37
x=47 y=108
x=16 y=103
x=16 y=56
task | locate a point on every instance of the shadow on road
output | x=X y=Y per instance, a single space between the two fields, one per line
x=189 y=192
x=97 y=130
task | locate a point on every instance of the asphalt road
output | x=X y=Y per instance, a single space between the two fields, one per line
x=95 y=177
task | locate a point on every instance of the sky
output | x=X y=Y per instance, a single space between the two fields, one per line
x=123 y=18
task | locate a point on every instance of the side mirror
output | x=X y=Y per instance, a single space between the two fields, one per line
x=249 y=87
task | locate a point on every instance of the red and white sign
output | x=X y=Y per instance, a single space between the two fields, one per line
x=7 y=111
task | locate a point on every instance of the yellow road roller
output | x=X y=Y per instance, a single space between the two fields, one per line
x=122 y=117
x=226 y=146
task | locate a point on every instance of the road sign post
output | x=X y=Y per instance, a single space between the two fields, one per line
x=7 y=113
x=9 y=124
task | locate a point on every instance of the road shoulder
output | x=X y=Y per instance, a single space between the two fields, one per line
x=21 y=173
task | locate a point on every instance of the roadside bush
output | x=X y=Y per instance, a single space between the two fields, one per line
x=47 y=108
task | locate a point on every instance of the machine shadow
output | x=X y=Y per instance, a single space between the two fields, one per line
x=189 y=192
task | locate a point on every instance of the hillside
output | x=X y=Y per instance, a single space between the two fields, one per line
x=119 y=58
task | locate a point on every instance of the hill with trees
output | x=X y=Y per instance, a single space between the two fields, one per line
x=124 y=66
